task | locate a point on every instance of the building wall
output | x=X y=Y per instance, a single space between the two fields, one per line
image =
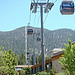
x=56 y=65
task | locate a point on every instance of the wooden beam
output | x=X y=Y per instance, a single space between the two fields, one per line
x=48 y=61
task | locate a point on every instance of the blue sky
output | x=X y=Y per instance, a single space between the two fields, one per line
x=15 y=14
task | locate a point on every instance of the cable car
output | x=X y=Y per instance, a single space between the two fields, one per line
x=28 y=52
x=27 y=58
x=38 y=39
x=67 y=7
x=30 y=31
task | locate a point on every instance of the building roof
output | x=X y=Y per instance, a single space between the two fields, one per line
x=21 y=66
x=56 y=51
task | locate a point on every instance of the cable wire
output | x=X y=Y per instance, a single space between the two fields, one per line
x=47 y=13
x=45 y=18
x=55 y=1
x=34 y=20
x=38 y=20
x=35 y=17
x=34 y=1
x=29 y=18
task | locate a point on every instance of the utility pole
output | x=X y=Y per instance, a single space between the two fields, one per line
x=48 y=7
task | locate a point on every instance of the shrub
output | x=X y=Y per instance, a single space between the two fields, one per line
x=22 y=72
x=65 y=73
x=53 y=72
x=42 y=73
x=27 y=70
x=68 y=59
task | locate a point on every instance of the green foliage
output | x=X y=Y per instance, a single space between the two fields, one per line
x=68 y=59
x=21 y=59
x=16 y=73
x=65 y=73
x=43 y=73
x=53 y=72
x=47 y=58
x=7 y=62
x=27 y=70
x=22 y=72
x=38 y=59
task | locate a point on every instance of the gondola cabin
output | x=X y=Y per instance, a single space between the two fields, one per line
x=30 y=31
x=67 y=7
x=28 y=52
x=38 y=39
x=27 y=58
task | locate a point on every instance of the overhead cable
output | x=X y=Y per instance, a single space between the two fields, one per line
x=55 y=1
x=29 y=17
x=45 y=18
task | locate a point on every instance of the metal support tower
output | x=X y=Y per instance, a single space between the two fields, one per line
x=26 y=44
x=42 y=44
x=48 y=7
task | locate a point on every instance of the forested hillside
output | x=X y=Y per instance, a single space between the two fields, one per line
x=15 y=39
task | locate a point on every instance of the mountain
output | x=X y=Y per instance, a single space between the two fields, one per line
x=15 y=39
